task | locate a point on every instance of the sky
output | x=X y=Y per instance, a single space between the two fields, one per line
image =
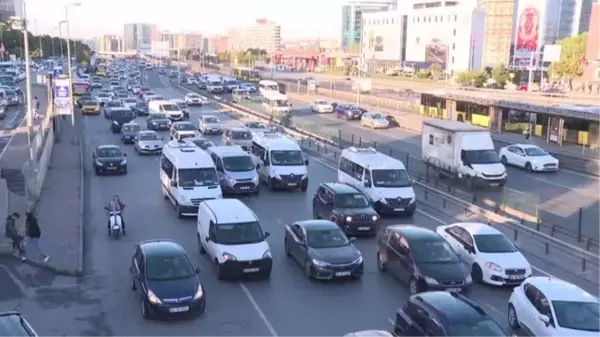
x=298 y=19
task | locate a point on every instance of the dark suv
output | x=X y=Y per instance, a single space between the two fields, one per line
x=422 y=259
x=13 y=323
x=347 y=207
x=441 y=313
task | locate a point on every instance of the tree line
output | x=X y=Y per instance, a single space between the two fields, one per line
x=40 y=46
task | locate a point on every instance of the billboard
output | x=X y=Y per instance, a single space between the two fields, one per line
x=436 y=53
x=528 y=29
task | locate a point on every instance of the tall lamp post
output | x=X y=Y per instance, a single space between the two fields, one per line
x=73 y=4
x=60 y=37
x=27 y=80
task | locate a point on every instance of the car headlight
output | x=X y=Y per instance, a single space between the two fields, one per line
x=267 y=254
x=124 y=161
x=493 y=266
x=413 y=199
x=430 y=281
x=374 y=218
x=255 y=179
x=348 y=219
x=115 y=123
x=154 y=123
x=99 y=163
x=359 y=260
x=319 y=263
x=228 y=257
x=199 y=292
x=231 y=181
x=152 y=298
x=468 y=279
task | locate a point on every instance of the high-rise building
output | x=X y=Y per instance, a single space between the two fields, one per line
x=591 y=70
x=138 y=36
x=181 y=41
x=352 y=13
x=264 y=34
x=7 y=9
x=218 y=44
x=498 y=32
x=110 y=44
x=384 y=38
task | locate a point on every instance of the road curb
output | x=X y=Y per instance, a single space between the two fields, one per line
x=42 y=265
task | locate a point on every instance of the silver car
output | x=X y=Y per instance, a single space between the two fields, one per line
x=148 y=142
x=209 y=124
x=238 y=136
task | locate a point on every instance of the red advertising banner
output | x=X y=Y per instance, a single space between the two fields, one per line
x=528 y=28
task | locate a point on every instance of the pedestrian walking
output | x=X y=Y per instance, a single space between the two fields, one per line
x=36 y=107
x=12 y=233
x=34 y=234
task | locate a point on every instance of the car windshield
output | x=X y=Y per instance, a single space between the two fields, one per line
x=131 y=100
x=123 y=95
x=211 y=120
x=186 y=127
x=326 y=238
x=141 y=105
x=241 y=135
x=202 y=143
x=231 y=82
x=321 y=103
x=238 y=233
x=115 y=84
x=148 y=136
x=131 y=128
x=89 y=102
x=482 y=157
x=215 y=83
x=164 y=268
x=535 y=152
x=351 y=200
x=494 y=243
x=391 y=178
x=114 y=104
x=198 y=177
x=255 y=125
x=170 y=107
x=122 y=115
x=182 y=105
x=581 y=316
x=377 y=116
x=159 y=116
x=193 y=96
x=238 y=164
x=111 y=152
x=486 y=327
x=149 y=93
x=103 y=95
x=287 y=158
x=433 y=251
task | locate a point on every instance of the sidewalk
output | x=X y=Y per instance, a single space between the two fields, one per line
x=59 y=211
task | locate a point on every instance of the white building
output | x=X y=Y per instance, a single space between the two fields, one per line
x=384 y=36
x=449 y=33
x=161 y=48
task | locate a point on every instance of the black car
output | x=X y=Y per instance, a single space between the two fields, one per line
x=141 y=109
x=119 y=117
x=348 y=112
x=108 y=106
x=166 y=281
x=158 y=121
x=440 y=313
x=347 y=207
x=109 y=159
x=422 y=259
x=323 y=250
x=128 y=132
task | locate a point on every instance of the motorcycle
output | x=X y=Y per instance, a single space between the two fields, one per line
x=115 y=224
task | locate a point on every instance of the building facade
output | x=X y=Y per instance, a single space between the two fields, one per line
x=7 y=9
x=264 y=34
x=447 y=33
x=218 y=44
x=352 y=18
x=384 y=37
x=591 y=70
x=498 y=31
x=139 y=37
x=110 y=44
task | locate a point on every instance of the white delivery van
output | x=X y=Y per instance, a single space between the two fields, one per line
x=230 y=84
x=274 y=102
x=280 y=161
x=214 y=85
x=172 y=110
x=383 y=179
x=267 y=85
x=187 y=176
x=462 y=150
x=229 y=232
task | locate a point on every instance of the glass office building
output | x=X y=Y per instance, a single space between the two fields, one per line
x=352 y=13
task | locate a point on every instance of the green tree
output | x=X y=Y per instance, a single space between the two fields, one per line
x=572 y=54
x=501 y=75
x=472 y=78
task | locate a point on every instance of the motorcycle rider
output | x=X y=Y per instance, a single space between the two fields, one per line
x=116 y=205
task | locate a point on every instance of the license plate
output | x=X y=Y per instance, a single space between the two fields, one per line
x=342 y=273
x=398 y=209
x=112 y=168
x=364 y=228
x=245 y=188
x=457 y=290
x=494 y=184
x=250 y=270
x=179 y=309
x=515 y=277
x=291 y=184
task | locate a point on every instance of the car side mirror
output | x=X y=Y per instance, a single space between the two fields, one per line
x=197 y=270
x=545 y=319
x=352 y=239
x=173 y=183
x=306 y=162
x=257 y=166
x=367 y=184
x=267 y=234
x=124 y=154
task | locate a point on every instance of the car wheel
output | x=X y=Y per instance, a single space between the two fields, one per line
x=145 y=310
x=286 y=248
x=504 y=160
x=178 y=211
x=380 y=264
x=97 y=171
x=219 y=271
x=271 y=183
x=315 y=214
x=413 y=286
x=308 y=269
x=528 y=167
x=477 y=274
x=200 y=246
x=513 y=320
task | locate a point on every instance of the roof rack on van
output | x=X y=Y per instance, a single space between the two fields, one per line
x=362 y=149
x=182 y=145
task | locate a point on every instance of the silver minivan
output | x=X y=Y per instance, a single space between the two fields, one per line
x=236 y=170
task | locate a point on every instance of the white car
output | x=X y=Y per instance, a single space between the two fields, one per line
x=129 y=102
x=321 y=107
x=492 y=257
x=374 y=120
x=530 y=157
x=209 y=124
x=194 y=99
x=192 y=81
x=545 y=306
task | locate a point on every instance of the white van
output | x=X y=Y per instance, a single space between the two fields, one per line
x=229 y=84
x=214 y=85
x=236 y=170
x=280 y=161
x=381 y=178
x=274 y=102
x=267 y=85
x=171 y=109
x=187 y=176
x=230 y=234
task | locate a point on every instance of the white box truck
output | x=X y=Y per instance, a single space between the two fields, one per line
x=463 y=151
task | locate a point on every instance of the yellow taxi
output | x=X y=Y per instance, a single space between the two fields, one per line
x=90 y=107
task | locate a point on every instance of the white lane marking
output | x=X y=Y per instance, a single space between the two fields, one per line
x=495 y=310
x=570 y=188
x=426 y=214
x=261 y=314
x=12 y=132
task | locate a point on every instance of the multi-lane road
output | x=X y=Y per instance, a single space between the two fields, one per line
x=288 y=304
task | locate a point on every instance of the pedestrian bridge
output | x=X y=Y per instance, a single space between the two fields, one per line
x=117 y=53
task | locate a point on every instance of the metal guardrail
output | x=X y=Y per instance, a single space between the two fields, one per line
x=587 y=262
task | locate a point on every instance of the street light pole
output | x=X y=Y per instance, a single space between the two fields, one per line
x=60 y=38
x=75 y=4
x=27 y=81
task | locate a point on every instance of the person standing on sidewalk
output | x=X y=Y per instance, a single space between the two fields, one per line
x=34 y=234
x=13 y=233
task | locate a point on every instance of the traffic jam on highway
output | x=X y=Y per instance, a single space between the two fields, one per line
x=208 y=167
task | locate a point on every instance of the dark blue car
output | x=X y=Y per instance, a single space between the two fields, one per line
x=348 y=112
x=110 y=105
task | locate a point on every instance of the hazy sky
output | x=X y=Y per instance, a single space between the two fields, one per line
x=298 y=19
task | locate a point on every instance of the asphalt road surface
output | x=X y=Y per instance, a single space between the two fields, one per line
x=286 y=305
x=558 y=196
